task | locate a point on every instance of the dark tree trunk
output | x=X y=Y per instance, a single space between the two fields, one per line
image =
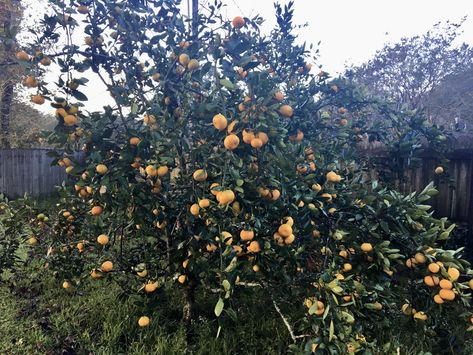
x=189 y=311
x=5 y=105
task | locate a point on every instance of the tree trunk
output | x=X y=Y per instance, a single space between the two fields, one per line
x=5 y=105
x=189 y=311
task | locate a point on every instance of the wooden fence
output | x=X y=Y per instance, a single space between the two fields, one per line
x=28 y=171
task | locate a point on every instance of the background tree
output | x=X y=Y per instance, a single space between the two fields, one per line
x=409 y=72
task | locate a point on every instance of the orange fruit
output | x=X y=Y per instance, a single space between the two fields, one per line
x=263 y=137
x=66 y=285
x=347 y=267
x=46 y=61
x=135 y=141
x=343 y=254
x=238 y=22
x=286 y=111
x=438 y=170
x=290 y=239
x=70 y=120
x=143 y=321
x=182 y=279
x=101 y=169
x=226 y=197
x=151 y=170
x=220 y=122
x=102 y=239
x=204 y=203
x=31 y=82
x=254 y=247
x=420 y=258
x=256 y=143
x=248 y=136
x=445 y=284
x=333 y=177
x=438 y=299
x=431 y=281
x=194 y=210
x=366 y=247
x=184 y=59
x=285 y=230
x=151 y=287
x=107 y=266
x=420 y=316
x=200 y=175
x=22 y=55
x=247 y=235
x=231 y=141
x=212 y=186
x=193 y=65
x=275 y=194
x=162 y=171
x=32 y=241
x=434 y=268
x=320 y=308
x=96 y=210
x=447 y=295
x=37 y=99
x=453 y=273
x=470 y=284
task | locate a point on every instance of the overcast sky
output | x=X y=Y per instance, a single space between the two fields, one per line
x=350 y=31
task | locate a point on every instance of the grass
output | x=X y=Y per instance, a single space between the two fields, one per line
x=37 y=316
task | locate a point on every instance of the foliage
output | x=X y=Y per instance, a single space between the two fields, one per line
x=412 y=72
x=223 y=165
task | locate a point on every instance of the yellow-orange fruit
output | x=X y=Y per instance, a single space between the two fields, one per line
x=285 y=230
x=31 y=82
x=101 y=169
x=182 y=279
x=204 y=203
x=420 y=258
x=151 y=287
x=225 y=197
x=256 y=143
x=453 y=273
x=107 y=266
x=263 y=137
x=366 y=247
x=96 y=210
x=135 y=141
x=290 y=239
x=286 y=111
x=231 y=141
x=162 y=170
x=431 y=281
x=248 y=136
x=254 y=247
x=22 y=55
x=247 y=235
x=434 y=268
x=151 y=170
x=193 y=64
x=212 y=190
x=184 y=59
x=333 y=177
x=220 y=122
x=238 y=22
x=439 y=170
x=194 y=210
x=320 y=308
x=143 y=321
x=275 y=194
x=37 y=99
x=66 y=285
x=438 y=299
x=447 y=295
x=70 y=120
x=200 y=175
x=445 y=284
x=102 y=239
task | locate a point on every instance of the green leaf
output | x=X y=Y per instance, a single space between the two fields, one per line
x=227 y=83
x=331 y=331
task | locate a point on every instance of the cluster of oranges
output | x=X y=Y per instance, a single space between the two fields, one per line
x=284 y=235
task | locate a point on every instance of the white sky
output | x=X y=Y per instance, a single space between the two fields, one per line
x=350 y=31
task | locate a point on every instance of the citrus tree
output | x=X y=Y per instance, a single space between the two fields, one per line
x=218 y=163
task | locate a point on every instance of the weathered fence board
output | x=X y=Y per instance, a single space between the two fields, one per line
x=28 y=171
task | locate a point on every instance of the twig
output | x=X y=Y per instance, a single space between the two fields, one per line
x=288 y=326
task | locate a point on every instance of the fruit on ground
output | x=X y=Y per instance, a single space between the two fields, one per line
x=143 y=321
